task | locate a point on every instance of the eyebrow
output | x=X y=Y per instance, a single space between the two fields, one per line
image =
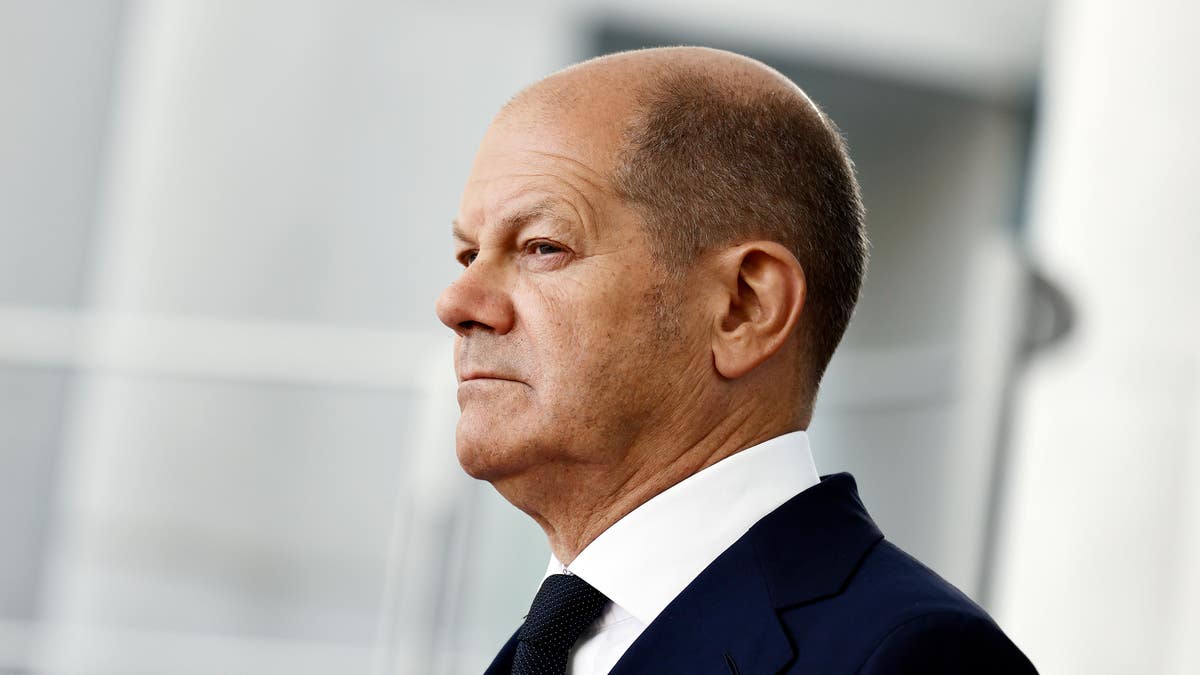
x=516 y=220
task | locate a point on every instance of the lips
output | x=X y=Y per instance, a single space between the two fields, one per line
x=484 y=375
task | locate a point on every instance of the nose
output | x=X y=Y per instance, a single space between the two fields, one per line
x=477 y=299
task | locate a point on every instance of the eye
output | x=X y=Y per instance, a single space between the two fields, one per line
x=467 y=257
x=544 y=248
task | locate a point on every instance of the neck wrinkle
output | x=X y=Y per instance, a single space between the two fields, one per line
x=568 y=536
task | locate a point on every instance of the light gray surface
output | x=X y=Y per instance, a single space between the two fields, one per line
x=262 y=509
x=57 y=73
x=31 y=419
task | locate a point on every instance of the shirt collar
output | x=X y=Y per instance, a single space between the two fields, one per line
x=643 y=561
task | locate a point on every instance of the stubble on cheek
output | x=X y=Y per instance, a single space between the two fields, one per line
x=663 y=303
x=631 y=375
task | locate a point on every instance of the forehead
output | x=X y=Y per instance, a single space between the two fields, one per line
x=551 y=168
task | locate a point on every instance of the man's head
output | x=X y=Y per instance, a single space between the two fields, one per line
x=661 y=248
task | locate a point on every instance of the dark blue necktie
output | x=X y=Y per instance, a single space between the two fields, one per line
x=563 y=608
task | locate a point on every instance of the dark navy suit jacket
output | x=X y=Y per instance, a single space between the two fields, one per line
x=814 y=588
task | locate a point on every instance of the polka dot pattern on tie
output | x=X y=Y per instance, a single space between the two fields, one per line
x=563 y=608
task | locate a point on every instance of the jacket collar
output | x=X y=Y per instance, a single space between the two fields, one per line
x=726 y=622
x=644 y=560
x=810 y=546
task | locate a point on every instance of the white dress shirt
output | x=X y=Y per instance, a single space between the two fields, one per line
x=648 y=557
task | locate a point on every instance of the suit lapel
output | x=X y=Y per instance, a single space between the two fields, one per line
x=726 y=622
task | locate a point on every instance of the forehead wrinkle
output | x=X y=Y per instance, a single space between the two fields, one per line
x=584 y=221
x=543 y=208
x=591 y=176
x=561 y=167
x=594 y=179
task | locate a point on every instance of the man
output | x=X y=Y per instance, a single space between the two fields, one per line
x=661 y=251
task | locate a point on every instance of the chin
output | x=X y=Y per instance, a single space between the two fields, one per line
x=477 y=464
x=485 y=454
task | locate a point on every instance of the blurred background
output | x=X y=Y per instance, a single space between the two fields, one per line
x=227 y=408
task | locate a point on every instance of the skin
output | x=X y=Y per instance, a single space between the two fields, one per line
x=591 y=380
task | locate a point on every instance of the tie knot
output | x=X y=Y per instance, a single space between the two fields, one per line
x=563 y=608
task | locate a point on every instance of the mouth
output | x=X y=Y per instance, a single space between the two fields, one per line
x=483 y=376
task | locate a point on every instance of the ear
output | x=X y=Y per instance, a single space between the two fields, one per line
x=762 y=292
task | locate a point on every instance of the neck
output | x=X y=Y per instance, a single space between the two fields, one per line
x=575 y=503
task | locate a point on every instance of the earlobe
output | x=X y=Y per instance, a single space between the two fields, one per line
x=763 y=292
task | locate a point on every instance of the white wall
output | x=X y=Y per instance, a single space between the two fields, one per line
x=1100 y=571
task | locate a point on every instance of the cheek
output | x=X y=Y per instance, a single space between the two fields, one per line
x=551 y=328
x=594 y=339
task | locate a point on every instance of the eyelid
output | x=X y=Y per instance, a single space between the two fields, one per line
x=530 y=246
x=462 y=256
x=533 y=244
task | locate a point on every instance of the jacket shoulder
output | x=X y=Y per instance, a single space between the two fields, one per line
x=946 y=642
x=895 y=615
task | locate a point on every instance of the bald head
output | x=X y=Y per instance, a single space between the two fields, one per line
x=714 y=149
x=607 y=88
